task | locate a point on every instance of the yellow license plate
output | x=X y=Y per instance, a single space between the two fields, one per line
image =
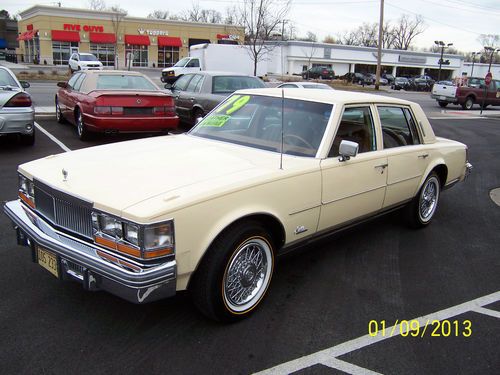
x=48 y=261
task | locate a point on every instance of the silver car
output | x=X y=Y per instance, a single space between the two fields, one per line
x=305 y=85
x=17 y=114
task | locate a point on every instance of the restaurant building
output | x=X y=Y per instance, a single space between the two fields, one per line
x=49 y=35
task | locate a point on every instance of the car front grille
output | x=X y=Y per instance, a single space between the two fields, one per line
x=64 y=210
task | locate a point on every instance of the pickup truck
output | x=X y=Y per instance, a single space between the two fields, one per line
x=467 y=96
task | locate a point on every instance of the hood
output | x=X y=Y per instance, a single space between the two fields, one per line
x=120 y=175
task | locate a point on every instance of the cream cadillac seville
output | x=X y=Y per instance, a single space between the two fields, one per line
x=208 y=211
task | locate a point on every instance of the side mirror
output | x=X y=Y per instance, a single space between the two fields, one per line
x=347 y=150
x=168 y=86
x=62 y=84
x=24 y=84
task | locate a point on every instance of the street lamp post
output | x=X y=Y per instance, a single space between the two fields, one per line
x=474 y=54
x=493 y=51
x=441 y=45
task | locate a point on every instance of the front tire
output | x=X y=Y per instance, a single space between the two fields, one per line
x=235 y=274
x=423 y=207
x=59 y=115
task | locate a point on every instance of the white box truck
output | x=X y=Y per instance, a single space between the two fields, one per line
x=221 y=57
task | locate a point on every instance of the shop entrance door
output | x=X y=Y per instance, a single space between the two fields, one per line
x=74 y=50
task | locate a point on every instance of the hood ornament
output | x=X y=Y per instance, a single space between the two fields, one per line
x=65 y=175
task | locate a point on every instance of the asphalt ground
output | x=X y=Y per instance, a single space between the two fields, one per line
x=323 y=296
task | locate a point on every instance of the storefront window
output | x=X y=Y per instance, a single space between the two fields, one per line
x=167 y=56
x=104 y=52
x=61 y=51
x=139 y=55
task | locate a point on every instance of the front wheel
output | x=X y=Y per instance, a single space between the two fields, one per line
x=235 y=274
x=423 y=207
x=59 y=115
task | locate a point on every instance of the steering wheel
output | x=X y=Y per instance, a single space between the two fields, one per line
x=301 y=140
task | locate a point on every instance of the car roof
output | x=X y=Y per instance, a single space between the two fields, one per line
x=326 y=96
x=220 y=73
x=86 y=53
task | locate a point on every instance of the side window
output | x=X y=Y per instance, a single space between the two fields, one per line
x=194 y=84
x=288 y=86
x=79 y=82
x=356 y=125
x=195 y=63
x=396 y=127
x=182 y=82
x=73 y=79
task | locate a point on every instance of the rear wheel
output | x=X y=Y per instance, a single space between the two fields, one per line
x=442 y=104
x=423 y=207
x=81 y=128
x=235 y=274
x=469 y=103
x=59 y=116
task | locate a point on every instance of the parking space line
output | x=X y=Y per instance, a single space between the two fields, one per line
x=348 y=367
x=485 y=311
x=52 y=138
x=327 y=355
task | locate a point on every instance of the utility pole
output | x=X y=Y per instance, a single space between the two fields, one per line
x=441 y=45
x=380 y=38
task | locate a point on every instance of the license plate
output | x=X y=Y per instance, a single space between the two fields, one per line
x=48 y=261
x=442 y=97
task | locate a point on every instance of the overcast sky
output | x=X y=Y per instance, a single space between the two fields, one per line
x=453 y=21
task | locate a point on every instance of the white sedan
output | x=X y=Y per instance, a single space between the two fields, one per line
x=208 y=211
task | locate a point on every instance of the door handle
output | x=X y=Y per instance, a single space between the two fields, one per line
x=423 y=156
x=383 y=166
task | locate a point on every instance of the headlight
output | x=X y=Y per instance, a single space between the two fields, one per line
x=140 y=241
x=26 y=190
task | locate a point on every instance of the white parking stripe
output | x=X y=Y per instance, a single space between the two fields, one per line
x=52 y=138
x=328 y=355
x=493 y=313
x=349 y=367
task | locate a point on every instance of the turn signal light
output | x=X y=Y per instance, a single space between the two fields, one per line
x=20 y=100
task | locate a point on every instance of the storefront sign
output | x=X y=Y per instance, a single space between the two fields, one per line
x=87 y=28
x=228 y=36
x=413 y=59
x=152 y=32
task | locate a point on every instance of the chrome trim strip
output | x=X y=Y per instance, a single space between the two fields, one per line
x=353 y=195
x=304 y=210
x=404 y=179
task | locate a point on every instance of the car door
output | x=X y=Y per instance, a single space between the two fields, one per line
x=182 y=107
x=193 y=65
x=407 y=157
x=190 y=96
x=353 y=188
x=65 y=96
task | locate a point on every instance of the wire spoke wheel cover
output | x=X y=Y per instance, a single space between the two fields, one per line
x=428 y=200
x=247 y=275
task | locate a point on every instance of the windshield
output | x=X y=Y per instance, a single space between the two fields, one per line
x=88 y=58
x=182 y=62
x=6 y=79
x=123 y=82
x=257 y=121
x=229 y=84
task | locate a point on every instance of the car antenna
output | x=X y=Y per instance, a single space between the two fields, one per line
x=282 y=125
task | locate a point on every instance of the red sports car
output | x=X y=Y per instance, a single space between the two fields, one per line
x=114 y=101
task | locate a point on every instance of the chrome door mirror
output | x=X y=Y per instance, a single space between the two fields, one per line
x=347 y=150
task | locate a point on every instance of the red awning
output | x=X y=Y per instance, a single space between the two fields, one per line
x=22 y=36
x=30 y=34
x=65 y=36
x=169 y=41
x=105 y=38
x=142 y=40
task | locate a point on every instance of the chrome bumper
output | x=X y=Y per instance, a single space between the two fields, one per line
x=79 y=260
x=468 y=170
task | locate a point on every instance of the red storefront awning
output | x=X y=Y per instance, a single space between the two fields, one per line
x=22 y=36
x=65 y=36
x=104 y=38
x=142 y=40
x=169 y=41
x=30 y=35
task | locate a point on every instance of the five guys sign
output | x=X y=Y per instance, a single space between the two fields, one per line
x=87 y=28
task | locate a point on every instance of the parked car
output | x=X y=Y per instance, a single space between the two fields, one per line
x=17 y=114
x=389 y=77
x=84 y=61
x=114 y=101
x=318 y=72
x=196 y=94
x=467 y=96
x=305 y=85
x=358 y=78
x=421 y=83
x=400 y=83
x=373 y=77
x=210 y=210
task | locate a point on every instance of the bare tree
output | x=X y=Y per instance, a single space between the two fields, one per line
x=310 y=37
x=159 y=14
x=116 y=20
x=406 y=30
x=210 y=16
x=489 y=40
x=97 y=4
x=309 y=53
x=261 y=19
x=348 y=38
x=329 y=39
